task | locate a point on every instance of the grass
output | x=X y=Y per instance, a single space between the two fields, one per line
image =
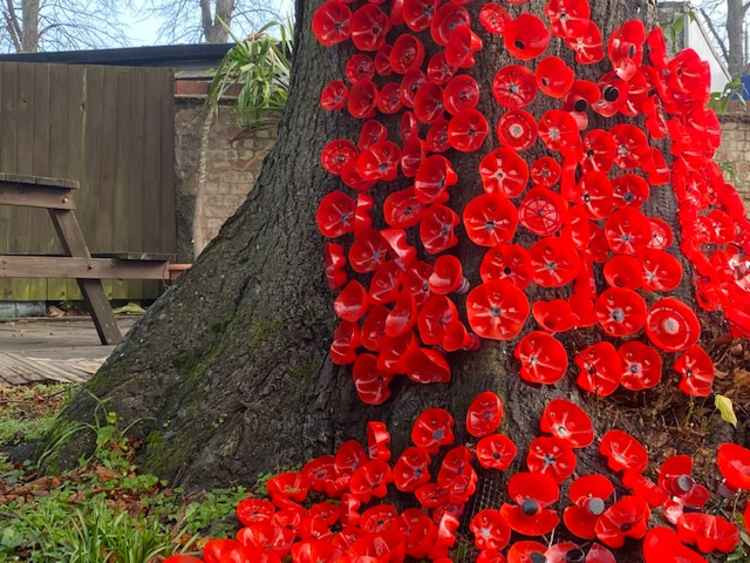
x=103 y=511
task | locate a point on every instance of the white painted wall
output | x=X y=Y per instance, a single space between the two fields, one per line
x=697 y=42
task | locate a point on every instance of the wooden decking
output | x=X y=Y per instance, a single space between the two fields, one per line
x=62 y=350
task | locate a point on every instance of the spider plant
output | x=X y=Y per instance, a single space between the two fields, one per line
x=256 y=71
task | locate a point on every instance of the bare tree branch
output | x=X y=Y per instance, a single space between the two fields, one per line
x=715 y=33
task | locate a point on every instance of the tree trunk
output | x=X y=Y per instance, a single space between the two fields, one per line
x=228 y=374
x=735 y=35
x=30 y=16
x=215 y=27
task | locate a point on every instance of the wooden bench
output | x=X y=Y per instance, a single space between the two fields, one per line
x=56 y=195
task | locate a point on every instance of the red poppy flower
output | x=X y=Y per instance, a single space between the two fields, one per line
x=372 y=385
x=346 y=339
x=503 y=171
x=526 y=37
x=581 y=96
x=630 y=190
x=584 y=37
x=568 y=422
x=436 y=229
x=527 y=551
x=599 y=151
x=436 y=139
x=543 y=358
x=559 y=131
x=438 y=70
x=461 y=46
x=589 y=496
x=410 y=85
x=554 y=316
x=662 y=271
x=456 y=463
x=489 y=529
x=448 y=276
x=550 y=456
x=412 y=469
x=490 y=219
x=514 y=87
x=370 y=480
x=393 y=352
x=554 y=261
x=418 y=14
x=517 y=129
x=448 y=17
x=402 y=209
x=561 y=12
x=361 y=100
x=496 y=451
x=337 y=154
x=532 y=493
x=412 y=154
x=493 y=18
x=435 y=315
x=628 y=231
x=385 y=282
x=599 y=369
x=419 y=532
x=253 y=510
x=378 y=441
x=416 y=280
x=672 y=325
x=368 y=251
x=507 y=261
x=467 y=130
x=632 y=146
x=697 y=371
x=628 y=517
x=484 y=415
x=554 y=77
x=620 y=311
x=643 y=487
x=661 y=234
x=331 y=23
x=497 y=310
x=388 y=99
x=614 y=95
x=220 y=550
x=359 y=67
x=708 y=532
x=434 y=176
x=379 y=161
x=433 y=429
x=624 y=271
x=734 y=465
x=182 y=559
x=623 y=452
x=542 y=211
x=641 y=364
x=335 y=215
x=288 y=486
x=428 y=103
x=675 y=477
x=407 y=53
x=460 y=93
x=625 y=48
x=545 y=171
x=661 y=545
x=352 y=303
x=334 y=95
x=402 y=317
x=369 y=26
x=371 y=132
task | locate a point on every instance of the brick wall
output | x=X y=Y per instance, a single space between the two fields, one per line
x=217 y=164
x=734 y=154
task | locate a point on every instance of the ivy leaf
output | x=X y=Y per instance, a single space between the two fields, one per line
x=725 y=407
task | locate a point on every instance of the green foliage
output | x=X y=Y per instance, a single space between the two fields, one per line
x=732 y=92
x=259 y=67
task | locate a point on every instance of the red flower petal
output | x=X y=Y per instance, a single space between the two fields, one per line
x=672 y=325
x=568 y=422
x=514 y=87
x=642 y=366
x=497 y=310
x=490 y=219
x=623 y=452
x=599 y=369
x=484 y=415
x=550 y=456
x=734 y=464
x=543 y=358
x=526 y=37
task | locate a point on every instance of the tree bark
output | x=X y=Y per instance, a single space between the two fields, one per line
x=215 y=26
x=228 y=374
x=735 y=35
x=30 y=35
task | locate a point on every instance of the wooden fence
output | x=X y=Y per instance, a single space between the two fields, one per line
x=110 y=128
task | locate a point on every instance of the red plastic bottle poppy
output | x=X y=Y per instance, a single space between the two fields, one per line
x=599 y=369
x=460 y=93
x=361 y=100
x=337 y=154
x=461 y=46
x=672 y=325
x=504 y=171
x=642 y=366
x=507 y=261
x=334 y=95
x=493 y=18
x=542 y=211
x=661 y=545
x=531 y=493
x=490 y=219
x=675 y=477
x=434 y=176
x=402 y=209
x=620 y=311
x=335 y=215
x=559 y=132
x=545 y=171
x=331 y=23
x=371 y=132
x=496 y=451
x=733 y=462
x=561 y=12
x=369 y=27
x=436 y=229
x=388 y=99
x=359 y=67
x=428 y=103
x=368 y=251
x=371 y=384
x=433 y=429
x=628 y=517
x=550 y=456
x=624 y=271
x=379 y=162
x=345 y=342
x=554 y=316
x=584 y=37
x=448 y=17
x=628 y=231
x=490 y=529
x=497 y=310
x=589 y=495
x=625 y=48
x=448 y=276
x=526 y=37
x=599 y=151
x=543 y=358
x=436 y=314
x=696 y=368
x=467 y=130
x=623 y=452
x=568 y=422
x=708 y=532
x=514 y=87
x=438 y=70
x=553 y=77
x=662 y=271
x=378 y=441
x=412 y=470
x=554 y=261
x=594 y=191
x=484 y=415
x=407 y=53
x=370 y=480
x=351 y=304
x=418 y=14
x=517 y=129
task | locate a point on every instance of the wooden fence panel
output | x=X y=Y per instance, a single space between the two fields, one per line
x=110 y=128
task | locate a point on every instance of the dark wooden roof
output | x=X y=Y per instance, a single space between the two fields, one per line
x=176 y=56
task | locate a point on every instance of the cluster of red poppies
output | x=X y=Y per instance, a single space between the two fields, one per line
x=600 y=511
x=583 y=199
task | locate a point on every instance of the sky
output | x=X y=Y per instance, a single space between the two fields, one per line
x=144 y=30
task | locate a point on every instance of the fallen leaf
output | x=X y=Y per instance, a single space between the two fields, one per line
x=725 y=407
